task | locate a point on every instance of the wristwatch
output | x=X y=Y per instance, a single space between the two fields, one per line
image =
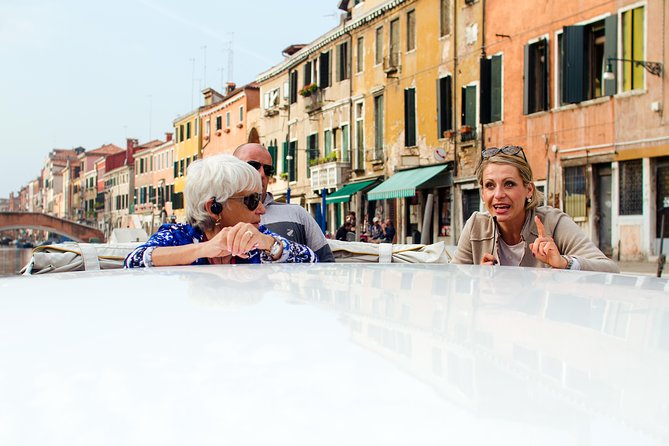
x=276 y=249
x=570 y=261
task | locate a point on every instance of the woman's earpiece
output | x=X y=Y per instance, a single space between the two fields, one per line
x=216 y=207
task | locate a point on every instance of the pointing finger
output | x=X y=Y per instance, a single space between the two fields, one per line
x=540 y=226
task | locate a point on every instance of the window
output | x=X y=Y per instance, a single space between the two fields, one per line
x=227 y=119
x=293 y=87
x=327 y=143
x=219 y=122
x=188 y=130
x=342 y=61
x=181 y=133
x=345 y=147
x=359 y=136
x=535 y=93
x=241 y=114
x=631 y=180
x=575 y=191
x=468 y=113
x=445 y=17
x=324 y=70
x=471 y=202
x=307 y=73
x=410 y=117
x=633 y=32
x=207 y=127
x=360 y=61
x=583 y=53
x=394 y=51
x=312 y=151
x=444 y=105
x=491 y=89
x=272 y=98
x=196 y=130
x=378 y=127
x=378 y=46
x=411 y=30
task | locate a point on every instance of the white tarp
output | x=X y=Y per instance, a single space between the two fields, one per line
x=354 y=252
x=72 y=256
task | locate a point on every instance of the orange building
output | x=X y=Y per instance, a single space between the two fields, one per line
x=224 y=118
x=583 y=91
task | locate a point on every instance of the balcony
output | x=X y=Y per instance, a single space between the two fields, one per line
x=330 y=175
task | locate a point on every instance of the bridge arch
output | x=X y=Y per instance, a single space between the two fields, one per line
x=44 y=222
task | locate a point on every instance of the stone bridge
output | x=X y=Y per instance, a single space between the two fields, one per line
x=44 y=222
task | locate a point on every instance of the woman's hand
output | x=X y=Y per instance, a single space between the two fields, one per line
x=488 y=259
x=238 y=240
x=545 y=249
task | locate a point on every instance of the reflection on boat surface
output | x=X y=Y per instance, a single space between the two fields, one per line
x=518 y=344
x=340 y=354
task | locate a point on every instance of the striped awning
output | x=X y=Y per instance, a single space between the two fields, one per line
x=343 y=195
x=404 y=183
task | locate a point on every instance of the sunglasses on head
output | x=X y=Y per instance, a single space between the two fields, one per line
x=268 y=168
x=506 y=150
x=251 y=201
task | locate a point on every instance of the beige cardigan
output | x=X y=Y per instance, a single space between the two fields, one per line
x=477 y=239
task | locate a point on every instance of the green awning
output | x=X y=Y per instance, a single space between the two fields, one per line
x=404 y=183
x=343 y=195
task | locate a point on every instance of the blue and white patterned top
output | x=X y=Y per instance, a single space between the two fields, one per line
x=178 y=234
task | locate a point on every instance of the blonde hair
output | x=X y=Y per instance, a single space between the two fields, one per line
x=524 y=170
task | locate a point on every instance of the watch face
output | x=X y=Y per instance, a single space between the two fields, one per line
x=275 y=250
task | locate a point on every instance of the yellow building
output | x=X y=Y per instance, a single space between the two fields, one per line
x=187 y=148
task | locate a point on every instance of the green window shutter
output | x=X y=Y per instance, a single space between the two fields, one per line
x=284 y=161
x=610 y=51
x=272 y=151
x=574 y=88
x=410 y=117
x=470 y=109
x=528 y=97
x=496 y=88
x=485 y=98
x=445 y=105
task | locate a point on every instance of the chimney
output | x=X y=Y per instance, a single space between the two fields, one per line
x=168 y=136
x=230 y=87
x=131 y=143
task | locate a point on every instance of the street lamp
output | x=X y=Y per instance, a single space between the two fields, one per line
x=654 y=68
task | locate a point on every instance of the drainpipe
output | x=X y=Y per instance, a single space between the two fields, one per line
x=483 y=54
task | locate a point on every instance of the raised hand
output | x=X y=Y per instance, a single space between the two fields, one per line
x=545 y=249
x=488 y=259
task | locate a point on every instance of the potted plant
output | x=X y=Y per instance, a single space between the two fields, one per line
x=465 y=129
x=308 y=90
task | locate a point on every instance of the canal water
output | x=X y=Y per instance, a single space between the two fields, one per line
x=13 y=259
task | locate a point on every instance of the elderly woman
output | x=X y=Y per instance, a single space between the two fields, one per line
x=516 y=231
x=223 y=209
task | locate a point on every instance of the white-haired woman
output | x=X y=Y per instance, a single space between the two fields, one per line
x=516 y=231
x=223 y=209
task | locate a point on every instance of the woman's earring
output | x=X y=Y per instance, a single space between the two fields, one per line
x=218 y=221
x=528 y=199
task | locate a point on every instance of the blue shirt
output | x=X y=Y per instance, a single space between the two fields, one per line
x=179 y=234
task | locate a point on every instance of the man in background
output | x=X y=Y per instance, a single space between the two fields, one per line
x=288 y=220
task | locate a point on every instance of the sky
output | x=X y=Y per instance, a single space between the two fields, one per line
x=81 y=73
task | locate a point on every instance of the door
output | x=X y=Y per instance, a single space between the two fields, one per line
x=603 y=195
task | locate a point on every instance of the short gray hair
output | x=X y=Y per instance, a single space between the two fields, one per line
x=220 y=177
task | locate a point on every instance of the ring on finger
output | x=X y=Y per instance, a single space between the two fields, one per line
x=249 y=233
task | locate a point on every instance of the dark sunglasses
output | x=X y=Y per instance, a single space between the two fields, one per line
x=506 y=150
x=251 y=201
x=269 y=169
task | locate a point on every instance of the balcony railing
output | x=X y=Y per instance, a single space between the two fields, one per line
x=330 y=175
